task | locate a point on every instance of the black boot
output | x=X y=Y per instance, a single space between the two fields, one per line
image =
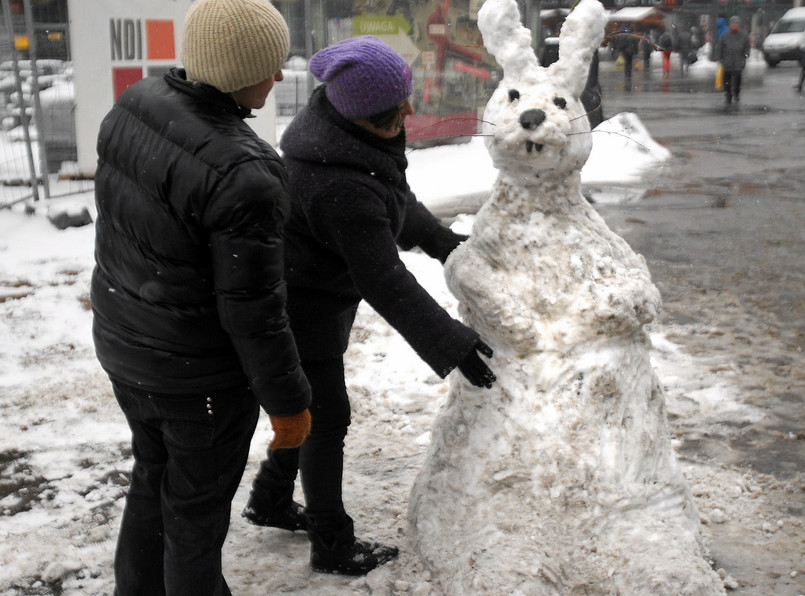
x=340 y=552
x=289 y=515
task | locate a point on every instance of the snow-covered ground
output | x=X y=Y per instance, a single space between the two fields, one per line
x=64 y=447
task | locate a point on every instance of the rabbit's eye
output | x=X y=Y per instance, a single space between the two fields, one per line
x=561 y=102
x=514 y=94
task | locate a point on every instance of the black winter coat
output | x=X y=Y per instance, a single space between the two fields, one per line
x=732 y=50
x=351 y=208
x=188 y=293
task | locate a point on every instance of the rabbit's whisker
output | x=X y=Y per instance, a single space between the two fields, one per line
x=616 y=133
x=412 y=137
x=585 y=115
x=447 y=138
x=444 y=120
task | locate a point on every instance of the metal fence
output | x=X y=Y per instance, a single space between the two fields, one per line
x=37 y=125
x=37 y=132
x=291 y=92
x=37 y=128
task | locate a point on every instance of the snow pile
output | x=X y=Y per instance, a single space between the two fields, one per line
x=623 y=135
x=561 y=478
x=66 y=461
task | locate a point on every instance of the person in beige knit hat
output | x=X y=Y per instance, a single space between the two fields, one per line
x=188 y=295
x=238 y=47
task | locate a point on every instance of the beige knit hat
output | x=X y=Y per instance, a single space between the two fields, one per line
x=232 y=44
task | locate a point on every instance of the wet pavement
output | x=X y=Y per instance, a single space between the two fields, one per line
x=722 y=226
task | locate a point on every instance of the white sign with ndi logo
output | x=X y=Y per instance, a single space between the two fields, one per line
x=114 y=44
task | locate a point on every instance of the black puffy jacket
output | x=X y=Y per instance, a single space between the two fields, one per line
x=188 y=293
x=351 y=208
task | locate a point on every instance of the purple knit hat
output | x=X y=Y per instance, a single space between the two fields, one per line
x=364 y=76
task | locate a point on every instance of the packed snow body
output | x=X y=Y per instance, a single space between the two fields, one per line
x=561 y=478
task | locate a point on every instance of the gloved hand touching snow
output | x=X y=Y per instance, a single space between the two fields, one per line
x=290 y=431
x=441 y=243
x=474 y=369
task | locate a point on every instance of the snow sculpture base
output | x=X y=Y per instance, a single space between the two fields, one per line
x=561 y=479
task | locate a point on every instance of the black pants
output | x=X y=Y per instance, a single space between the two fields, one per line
x=189 y=456
x=683 y=62
x=732 y=84
x=320 y=459
x=628 y=64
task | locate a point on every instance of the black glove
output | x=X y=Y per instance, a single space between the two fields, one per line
x=442 y=243
x=474 y=369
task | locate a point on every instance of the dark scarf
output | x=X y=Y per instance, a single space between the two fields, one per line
x=394 y=148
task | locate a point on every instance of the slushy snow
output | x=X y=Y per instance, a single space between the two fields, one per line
x=65 y=445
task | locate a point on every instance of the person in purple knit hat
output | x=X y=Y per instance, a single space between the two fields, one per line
x=351 y=210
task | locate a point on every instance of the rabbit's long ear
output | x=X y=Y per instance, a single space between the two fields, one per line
x=507 y=39
x=579 y=39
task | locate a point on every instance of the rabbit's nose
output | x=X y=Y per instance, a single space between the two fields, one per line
x=531 y=119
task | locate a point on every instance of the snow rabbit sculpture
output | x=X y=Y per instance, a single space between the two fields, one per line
x=561 y=478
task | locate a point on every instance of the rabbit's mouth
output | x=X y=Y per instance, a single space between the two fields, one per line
x=532 y=146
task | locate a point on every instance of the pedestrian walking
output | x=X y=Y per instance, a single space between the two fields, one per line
x=696 y=38
x=666 y=45
x=801 y=69
x=646 y=47
x=627 y=47
x=721 y=27
x=731 y=52
x=188 y=296
x=351 y=210
x=683 y=48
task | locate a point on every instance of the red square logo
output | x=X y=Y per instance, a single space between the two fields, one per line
x=159 y=39
x=123 y=77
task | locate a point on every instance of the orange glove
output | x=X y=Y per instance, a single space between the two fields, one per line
x=290 y=431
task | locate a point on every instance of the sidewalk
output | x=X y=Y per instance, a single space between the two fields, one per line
x=700 y=76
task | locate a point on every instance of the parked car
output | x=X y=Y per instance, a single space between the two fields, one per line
x=786 y=39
